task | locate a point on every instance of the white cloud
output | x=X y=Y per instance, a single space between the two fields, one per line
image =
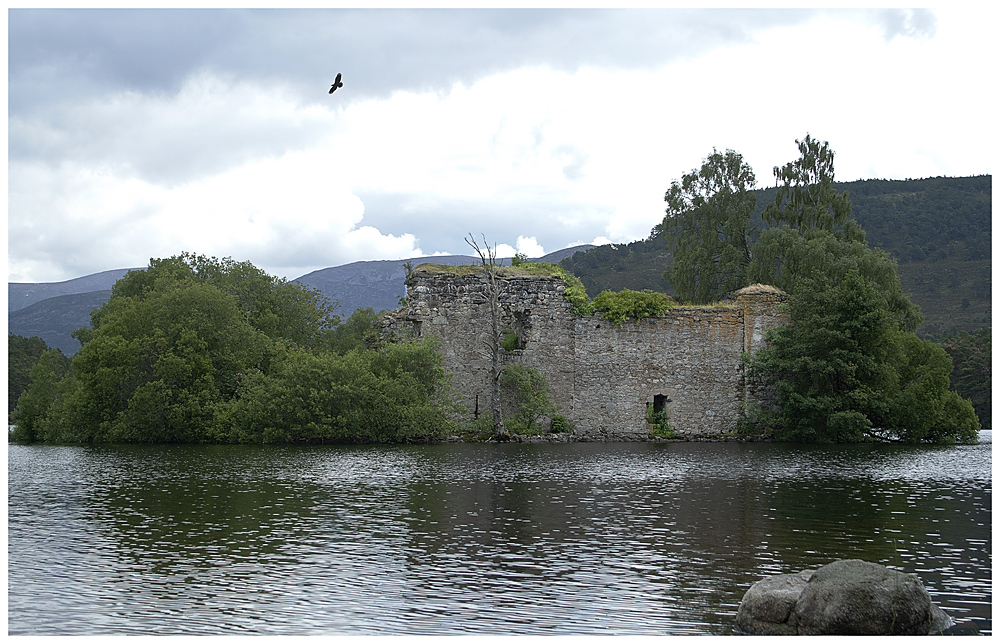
x=538 y=156
x=907 y=22
x=504 y=250
x=211 y=124
x=287 y=212
x=529 y=246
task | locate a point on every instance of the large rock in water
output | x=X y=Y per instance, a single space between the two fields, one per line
x=847 y=597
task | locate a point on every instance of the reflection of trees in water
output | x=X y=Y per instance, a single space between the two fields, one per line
x=696 y=529
x=670 y=527
x=890 y=504
x=529 y=517
x=199 y=507
x=872 y=502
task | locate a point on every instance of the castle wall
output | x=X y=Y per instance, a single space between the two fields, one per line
x=602 y=376
x=690 y=357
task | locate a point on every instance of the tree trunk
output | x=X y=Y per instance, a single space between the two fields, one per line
x=487 y=256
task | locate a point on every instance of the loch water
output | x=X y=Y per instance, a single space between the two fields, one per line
x=474 y=539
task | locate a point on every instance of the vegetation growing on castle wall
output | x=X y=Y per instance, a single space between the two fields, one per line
x=632 y=305
x=658 y=423
x=575 y=293
x=617 y=307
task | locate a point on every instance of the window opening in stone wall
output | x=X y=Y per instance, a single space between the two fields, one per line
x=522 y=328
x=660 y=402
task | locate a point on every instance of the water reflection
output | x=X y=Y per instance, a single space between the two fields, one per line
x=482 y=539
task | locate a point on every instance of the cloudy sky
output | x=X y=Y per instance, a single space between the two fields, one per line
x=143 y=133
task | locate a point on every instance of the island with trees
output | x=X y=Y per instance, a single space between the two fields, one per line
x=204 y=350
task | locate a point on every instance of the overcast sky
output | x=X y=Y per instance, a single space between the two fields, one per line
x=143 y=133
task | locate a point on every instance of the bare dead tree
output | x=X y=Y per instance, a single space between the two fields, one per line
x=488 y=256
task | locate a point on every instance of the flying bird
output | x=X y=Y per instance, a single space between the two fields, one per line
x=336 y=84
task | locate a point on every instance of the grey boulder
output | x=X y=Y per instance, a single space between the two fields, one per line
x=847 y=597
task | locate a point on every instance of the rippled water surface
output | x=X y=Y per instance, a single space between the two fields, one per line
x=579 y=538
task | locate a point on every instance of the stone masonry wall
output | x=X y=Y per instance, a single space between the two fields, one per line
x=602 y=376
x=690 y=357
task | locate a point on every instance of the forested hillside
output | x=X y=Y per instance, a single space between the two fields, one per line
x=939 y=230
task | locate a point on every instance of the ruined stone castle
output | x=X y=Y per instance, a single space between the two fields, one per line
x=603 y=377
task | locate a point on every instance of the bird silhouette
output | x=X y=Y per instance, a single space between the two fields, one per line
x=336 y=84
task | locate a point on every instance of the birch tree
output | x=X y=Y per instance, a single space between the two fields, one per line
x=708 y=226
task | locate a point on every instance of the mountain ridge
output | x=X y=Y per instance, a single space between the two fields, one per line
x=24 y=294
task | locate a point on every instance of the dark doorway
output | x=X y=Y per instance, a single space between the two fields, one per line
x=660 y=402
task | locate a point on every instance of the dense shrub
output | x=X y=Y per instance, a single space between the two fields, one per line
x=635 y=305
x=201 y=350
x=46 y=385
x=509 y=341
x=659 y=425
x=560 y=425
x=397 y=393
x=525 y=396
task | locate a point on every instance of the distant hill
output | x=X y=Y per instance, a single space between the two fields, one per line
x=21 y=294
x=376 y=284
x=54 y=318
x=559 y=255
x=379 y=284
x=53 y=310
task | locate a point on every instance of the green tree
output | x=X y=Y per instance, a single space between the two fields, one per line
x=46 y=386
x=277 y=308
x=848 y=367
x=360 y=330
x=811 y=235
x=794 y=260
x=972 y=370
x=157 y=366
x=397 y=393
x=708 y=225
x=22 y=355
x=196 y=349
x=844 y=370
x=806 y=197
x=164 y=354
x=806 y=232
x=526 y=395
